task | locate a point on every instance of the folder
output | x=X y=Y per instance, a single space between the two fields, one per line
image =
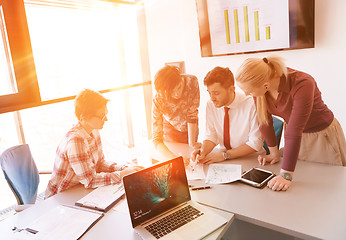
x=102 y=198
x=60 y=222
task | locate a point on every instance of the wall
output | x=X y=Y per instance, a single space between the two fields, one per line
x=173 y=36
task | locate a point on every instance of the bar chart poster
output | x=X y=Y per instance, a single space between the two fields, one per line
x=247 y=26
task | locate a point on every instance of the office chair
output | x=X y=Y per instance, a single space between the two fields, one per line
x=21 y=174
x=278 y=125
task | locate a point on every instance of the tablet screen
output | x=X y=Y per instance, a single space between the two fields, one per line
x=256 y=175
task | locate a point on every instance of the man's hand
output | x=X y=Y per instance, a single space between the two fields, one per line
x=194 y=154
x=197 y=145
x=271 y=158
x=129 y=170
x=211 y=158
x=186 y=161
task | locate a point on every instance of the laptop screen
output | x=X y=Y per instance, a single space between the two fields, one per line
x=156 y=189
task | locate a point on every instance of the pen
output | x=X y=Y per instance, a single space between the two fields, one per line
x=194 y=163
x=200 y=188
x=120 y=188
x=30 y=230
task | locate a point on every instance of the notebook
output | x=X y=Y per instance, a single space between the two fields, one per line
x=102 y=198
x=160 y=204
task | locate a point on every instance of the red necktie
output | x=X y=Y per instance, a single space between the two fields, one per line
x=226 y=138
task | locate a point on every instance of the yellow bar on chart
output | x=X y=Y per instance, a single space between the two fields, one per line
x=256 y=26
x=246 y=24
x=228 y=37
x=236 y=25
x=267 y=32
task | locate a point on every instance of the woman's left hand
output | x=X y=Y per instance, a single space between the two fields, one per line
x=278 y=183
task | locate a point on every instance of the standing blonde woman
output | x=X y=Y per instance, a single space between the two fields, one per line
x=312 y=133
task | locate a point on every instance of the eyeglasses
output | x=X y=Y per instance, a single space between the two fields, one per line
x=102 y=118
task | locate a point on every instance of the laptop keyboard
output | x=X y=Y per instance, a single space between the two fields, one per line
x=173 y=221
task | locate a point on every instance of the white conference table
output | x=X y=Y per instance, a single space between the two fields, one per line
x=115 y=224
x=312 y=208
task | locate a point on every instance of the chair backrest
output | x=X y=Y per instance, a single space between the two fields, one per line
x=21 y=173
x=278 y=125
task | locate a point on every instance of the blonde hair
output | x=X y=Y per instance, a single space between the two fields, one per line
x=254 y=72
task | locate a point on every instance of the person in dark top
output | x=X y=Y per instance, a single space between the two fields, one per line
x=312 y=132
x=175 y=109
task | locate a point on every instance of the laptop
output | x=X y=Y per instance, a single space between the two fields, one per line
x=160 y=204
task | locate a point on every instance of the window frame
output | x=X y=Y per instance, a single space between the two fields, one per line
x=19 y=58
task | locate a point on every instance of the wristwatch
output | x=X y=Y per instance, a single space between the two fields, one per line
x=226 y=156
x=286 y=176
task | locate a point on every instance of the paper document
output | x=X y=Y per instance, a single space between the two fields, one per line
x=194 y=173
x=223 y=173
x=102 y=198
x=61 y=222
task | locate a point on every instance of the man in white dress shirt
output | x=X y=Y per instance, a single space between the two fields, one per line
x=231 y=121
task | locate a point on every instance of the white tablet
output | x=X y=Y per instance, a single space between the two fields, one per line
x=257 y=177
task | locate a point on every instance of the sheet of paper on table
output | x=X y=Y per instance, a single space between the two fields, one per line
x=223 y=173
x=195 y=172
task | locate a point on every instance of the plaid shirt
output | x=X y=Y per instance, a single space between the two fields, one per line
x=176 y=112
x=79 y=159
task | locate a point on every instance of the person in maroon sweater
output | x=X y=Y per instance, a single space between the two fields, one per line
x=312 y=132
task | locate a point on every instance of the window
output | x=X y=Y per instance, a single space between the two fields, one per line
x=8 y=131
x=79 y=44
x=18 y=67
x=7 y=86
x=75 y=48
